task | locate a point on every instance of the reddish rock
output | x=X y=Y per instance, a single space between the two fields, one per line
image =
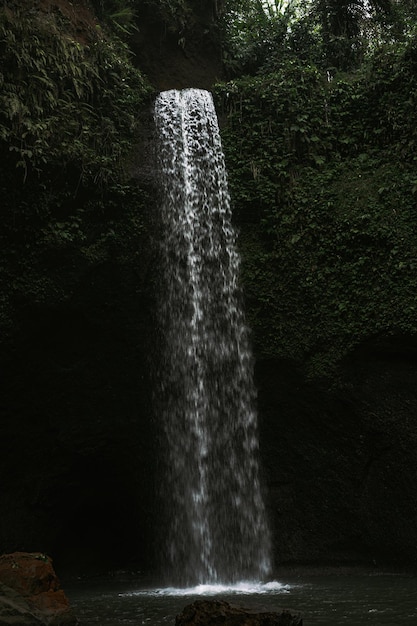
x=33 y=577
x=220 y=613
x=14 y=610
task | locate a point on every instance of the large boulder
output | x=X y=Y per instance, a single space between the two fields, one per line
x=30 y=591
x=14 y=609
x=220 y=613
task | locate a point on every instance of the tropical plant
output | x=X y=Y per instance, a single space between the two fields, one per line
x=63 y=102
x=324 y=185
x=255 y=31
x=344 y=27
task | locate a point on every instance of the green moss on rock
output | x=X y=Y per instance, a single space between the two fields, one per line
x=323 y=181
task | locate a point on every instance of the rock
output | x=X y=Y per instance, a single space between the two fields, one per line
x=30 y=592
x=220 y=613
x=14 y=609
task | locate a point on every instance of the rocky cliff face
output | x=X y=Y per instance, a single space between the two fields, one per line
x=79 y=253
x=79 y=455
x=339 y=462
x=79 y=462
x=178 y=49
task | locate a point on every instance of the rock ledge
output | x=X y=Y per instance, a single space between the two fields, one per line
x=30 y=592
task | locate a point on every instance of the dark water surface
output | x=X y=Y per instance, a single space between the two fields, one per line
x=325 y=598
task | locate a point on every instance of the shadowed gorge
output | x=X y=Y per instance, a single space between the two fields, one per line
x=319 y=148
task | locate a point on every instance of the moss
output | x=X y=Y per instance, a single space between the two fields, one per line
x=326 y=206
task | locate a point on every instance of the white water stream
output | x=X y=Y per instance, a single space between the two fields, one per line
x=216 y=527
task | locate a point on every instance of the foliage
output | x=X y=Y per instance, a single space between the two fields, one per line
x=120 y=14
x=53 y=244
x=70 y=102
x=65 y=103
x=253 y=31
x=345 y=28
x=124 y=15
x=324 y=183
x=330 y=33
x=177 y=15
x=320 y=136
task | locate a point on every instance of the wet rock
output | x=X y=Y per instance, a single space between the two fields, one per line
x=14 y=609
x=220 y=613
x=30 y=592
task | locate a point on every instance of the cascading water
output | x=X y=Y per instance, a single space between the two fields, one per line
x=217 y=530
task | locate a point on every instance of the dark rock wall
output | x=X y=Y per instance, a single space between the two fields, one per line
x=340 y=464
x=79 y=462
x=75 y=397
x=179 y=49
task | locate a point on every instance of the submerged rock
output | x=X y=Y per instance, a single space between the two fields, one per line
x=220 y=613
x=30 y=592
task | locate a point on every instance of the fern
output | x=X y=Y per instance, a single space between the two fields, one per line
x=64 y=102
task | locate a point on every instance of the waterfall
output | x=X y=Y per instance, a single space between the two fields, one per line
x=216 y=530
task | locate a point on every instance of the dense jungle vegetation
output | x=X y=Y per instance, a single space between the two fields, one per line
x=318 y=111
x=320 y=139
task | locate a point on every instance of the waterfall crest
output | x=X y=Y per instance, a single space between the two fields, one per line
x=217 y=530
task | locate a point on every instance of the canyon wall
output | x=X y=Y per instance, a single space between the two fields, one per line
x=335 y=363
